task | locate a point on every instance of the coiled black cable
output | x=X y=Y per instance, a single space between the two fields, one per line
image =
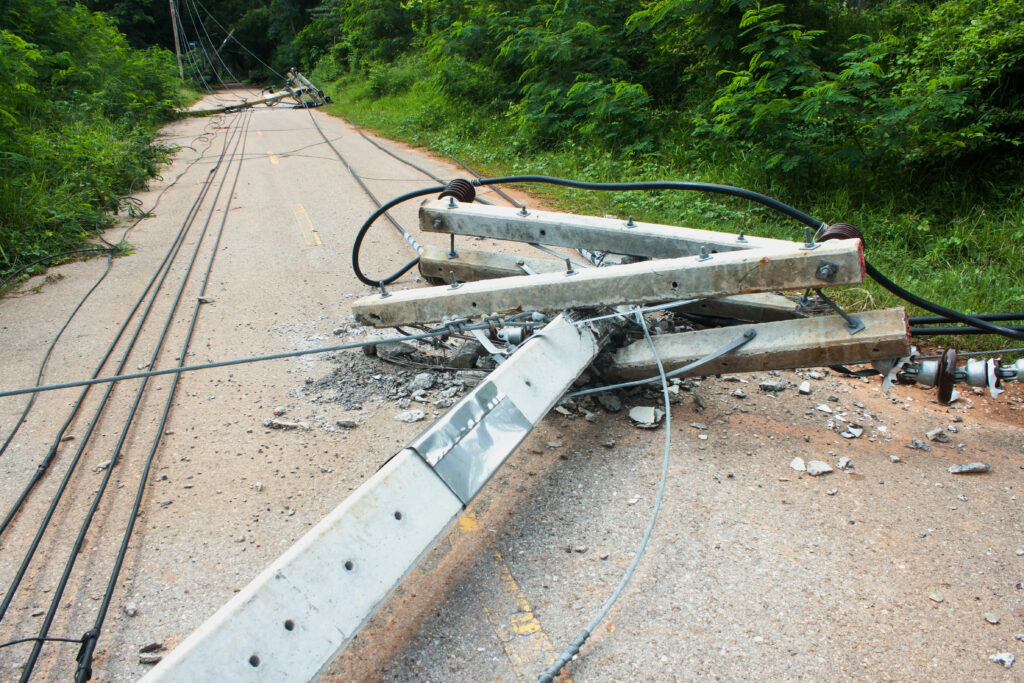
x=365 y=227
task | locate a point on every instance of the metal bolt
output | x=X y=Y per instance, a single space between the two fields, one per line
x=704 y=255
x=827 y=271
x=630 y=223
x=741 y=237
x=384 y=294
x=808 y=240
x=451 y=247
x=568 y=268
x=523 y=212
x=452 y=204
x=451 y=278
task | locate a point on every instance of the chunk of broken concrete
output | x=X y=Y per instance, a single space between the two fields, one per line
x=610 y=402
x=411 y=416
x=970 y=468
x=853 y=431
x=646 y=417
x=1004 y=658
x=805 y=387
x=465 y=356
x=798 y=464
x=422 y=382
x=817 y=467
x=283 y=424
x=393 y=349
x=937 y=434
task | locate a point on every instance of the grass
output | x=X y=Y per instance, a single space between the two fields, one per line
x=949 y=247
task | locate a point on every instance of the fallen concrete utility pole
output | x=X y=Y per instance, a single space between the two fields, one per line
x=301 y=611
x=438 y=264
x=838 y=262
x=568 y=230
x=296 y=87
x=245 y=104
x=810 y=342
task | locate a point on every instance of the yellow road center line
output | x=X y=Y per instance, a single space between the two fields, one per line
x=273 y=158
x=508 y=611
x=309 y=234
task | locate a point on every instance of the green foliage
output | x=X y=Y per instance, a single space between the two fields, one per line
x=75 y=124
x=904 y=118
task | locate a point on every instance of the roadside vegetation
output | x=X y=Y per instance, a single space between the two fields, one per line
x=77 y=117
x=904 y=118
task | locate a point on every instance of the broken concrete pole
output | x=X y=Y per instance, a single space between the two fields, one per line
x=839 y=262
x=777 y=346
x=568 y=230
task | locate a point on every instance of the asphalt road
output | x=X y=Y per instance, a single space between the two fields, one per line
x=754 y=570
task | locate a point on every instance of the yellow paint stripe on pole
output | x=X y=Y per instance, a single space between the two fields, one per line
x=527 y=647
x=309 y=233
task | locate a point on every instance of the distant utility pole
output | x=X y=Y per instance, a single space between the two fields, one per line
x=177 y=48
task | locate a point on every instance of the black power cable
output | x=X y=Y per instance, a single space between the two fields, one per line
x=51 y=257
x=106 y=271
x=365 y=227
x=939 y=319
x=956 y=331
x=44 y=465
x=116 y=451
x=165 y=267
x=49 y=352
x=941 y=310
x=84 y=672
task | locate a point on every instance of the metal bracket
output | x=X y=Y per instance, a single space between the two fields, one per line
x=853 y=324
x=809 y=243
x=496 y=353
x=827 y=270
x=804 y=300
